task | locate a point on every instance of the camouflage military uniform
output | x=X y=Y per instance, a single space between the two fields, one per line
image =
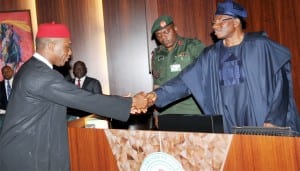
x=166 y=65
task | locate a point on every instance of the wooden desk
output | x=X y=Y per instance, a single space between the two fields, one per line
x=263 y=153
x=98 y=149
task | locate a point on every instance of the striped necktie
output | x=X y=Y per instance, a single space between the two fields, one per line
x=8 y=89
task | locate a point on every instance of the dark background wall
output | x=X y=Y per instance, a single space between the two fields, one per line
x=126 y=41
x=128 y=22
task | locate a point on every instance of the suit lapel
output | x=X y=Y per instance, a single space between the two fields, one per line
x=85 y=83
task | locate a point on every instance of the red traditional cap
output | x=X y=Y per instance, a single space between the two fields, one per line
x=53 y=30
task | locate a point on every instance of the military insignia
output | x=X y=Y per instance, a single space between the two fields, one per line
x=162 y=24
x=183 y=54
x=160 y=58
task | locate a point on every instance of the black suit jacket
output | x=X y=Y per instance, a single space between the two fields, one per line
x=34 y=134
x=90 y=84
x=3 y=97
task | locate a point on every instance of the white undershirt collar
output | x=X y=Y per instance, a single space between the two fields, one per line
x=81 y=80
x=43 y=59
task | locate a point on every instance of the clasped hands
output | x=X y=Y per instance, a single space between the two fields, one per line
x=142 y=101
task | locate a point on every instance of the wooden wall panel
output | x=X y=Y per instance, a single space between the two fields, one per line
x=127 y=50
x=280 y=19
x=151 y=16
x=289 y=14
x=261 y=17
x=7 y=5
x=192 y=17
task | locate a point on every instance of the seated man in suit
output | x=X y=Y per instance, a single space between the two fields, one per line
x=83 y=81
x=5 y=88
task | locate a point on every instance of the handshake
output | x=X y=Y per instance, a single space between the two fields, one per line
x=142 y=101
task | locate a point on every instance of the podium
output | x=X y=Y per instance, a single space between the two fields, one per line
x=113 y=149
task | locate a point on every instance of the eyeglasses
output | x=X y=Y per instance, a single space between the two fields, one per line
x=221 y=21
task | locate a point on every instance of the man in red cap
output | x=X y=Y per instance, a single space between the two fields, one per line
x=34 y=134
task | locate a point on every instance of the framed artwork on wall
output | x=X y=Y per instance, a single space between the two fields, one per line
x=16 y=39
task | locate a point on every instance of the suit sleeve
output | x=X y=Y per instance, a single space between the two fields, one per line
x=171 y=91
x=67 y=94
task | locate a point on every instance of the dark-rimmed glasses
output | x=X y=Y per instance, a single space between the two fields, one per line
x=221 y=21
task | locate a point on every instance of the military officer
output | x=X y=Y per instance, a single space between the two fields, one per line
x=172 y=55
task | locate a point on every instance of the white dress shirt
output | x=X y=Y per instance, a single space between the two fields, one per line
x=81 y=81
x=6 y=86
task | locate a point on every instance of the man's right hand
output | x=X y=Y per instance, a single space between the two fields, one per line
x=141 y=101
x=151 y=98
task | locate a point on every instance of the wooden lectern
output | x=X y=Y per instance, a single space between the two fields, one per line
x=112 y=149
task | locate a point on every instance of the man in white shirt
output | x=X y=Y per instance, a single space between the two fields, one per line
x=5 y=89
x=5 y=85
x=34 y=133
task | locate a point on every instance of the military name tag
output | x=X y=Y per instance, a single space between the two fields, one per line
x=175 y=67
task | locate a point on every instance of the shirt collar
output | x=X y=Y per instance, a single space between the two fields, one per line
x=43 y=59
x=81 y=79
x=10 y=81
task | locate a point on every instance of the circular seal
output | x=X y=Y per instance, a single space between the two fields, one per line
x=160 y=161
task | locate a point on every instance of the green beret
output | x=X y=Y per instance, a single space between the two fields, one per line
x=161 y=23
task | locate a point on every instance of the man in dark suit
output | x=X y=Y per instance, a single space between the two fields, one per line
x=5 y=85
x=5 y=89
x=81 y=80
x=34 y=135
x=87 y=83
